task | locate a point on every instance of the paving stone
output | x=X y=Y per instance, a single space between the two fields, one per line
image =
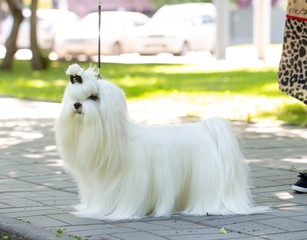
x=253 y=228
x=44 y=221
x=104 y=231
x=57 y=192
x=3 y=205
x=261 y=199
x=176 y=224
x=237 y=219
x=90 y=226
x=288 y=175
x=27 y=213
x=258 y=182
x=186 y=231
x=203 y=219
x=302 y=218
x=300 y=235
x=281 y=204
x=288 y=212
x=57 y=202
x=147 y=226
x=218 y=236
x=72 y=219
x=107 y=237
x=270 y=190
x=137 y=236
x=20 y=202
x=284 y=224
x=251 y=238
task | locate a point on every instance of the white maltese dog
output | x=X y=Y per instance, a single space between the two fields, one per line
x=124 y=170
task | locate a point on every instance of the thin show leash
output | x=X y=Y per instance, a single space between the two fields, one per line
x=99 y=34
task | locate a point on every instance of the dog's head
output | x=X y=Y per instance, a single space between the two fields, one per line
x=87 y=98
x=82 y=92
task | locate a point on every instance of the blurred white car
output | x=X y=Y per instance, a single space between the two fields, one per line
x=177 y=29
x=82 y=38
x=49 y=21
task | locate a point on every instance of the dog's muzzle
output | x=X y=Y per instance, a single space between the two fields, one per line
x=78 y=107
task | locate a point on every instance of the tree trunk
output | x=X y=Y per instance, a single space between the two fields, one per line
x=38 y=62
x=10 y=43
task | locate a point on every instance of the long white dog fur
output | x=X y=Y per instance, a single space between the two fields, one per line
x=124 y=170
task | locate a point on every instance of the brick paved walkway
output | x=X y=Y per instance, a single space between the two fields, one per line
x=36 y=195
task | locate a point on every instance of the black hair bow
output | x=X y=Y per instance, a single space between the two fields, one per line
x=75 y=78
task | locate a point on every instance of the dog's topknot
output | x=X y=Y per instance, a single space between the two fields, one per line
x=74 y=69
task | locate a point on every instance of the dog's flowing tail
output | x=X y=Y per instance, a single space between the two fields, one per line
x=235 y=196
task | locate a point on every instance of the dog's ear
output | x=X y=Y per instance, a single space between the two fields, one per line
x=75 y=78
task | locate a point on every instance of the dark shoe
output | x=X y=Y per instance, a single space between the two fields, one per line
x=301 y=184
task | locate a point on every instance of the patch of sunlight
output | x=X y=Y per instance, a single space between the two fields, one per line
x=284 y=195
x=293 y=160
x=203 y=68
x=276 y=45
x=227 y=93
x=182 y=69
x=193 y=114
x=129 y=81
x=60 y=82
x=193 y=99
x=162 y=94
x=270 y=87
x=33 y=156
x=55 y=162
x=36 y=83
x=13 y=174
x=17 y=137
x=50 y=148
x=235 y=107
x=26 y=135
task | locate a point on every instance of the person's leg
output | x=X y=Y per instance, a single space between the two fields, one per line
x=292 y=73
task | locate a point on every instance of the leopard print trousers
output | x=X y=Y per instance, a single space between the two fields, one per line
x=292 y=72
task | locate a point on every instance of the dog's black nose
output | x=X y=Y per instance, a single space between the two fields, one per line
x=77 y=105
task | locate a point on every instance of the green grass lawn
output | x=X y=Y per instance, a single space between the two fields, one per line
x=241 y=94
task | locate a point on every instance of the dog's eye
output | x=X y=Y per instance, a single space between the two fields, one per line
x=93 y=97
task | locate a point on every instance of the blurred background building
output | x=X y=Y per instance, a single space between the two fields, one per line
x=84 y=7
